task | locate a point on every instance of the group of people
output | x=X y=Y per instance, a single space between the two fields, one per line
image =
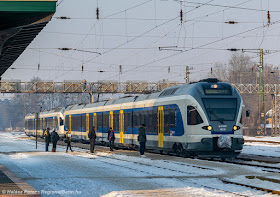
x=54 y=137
x=51 y=137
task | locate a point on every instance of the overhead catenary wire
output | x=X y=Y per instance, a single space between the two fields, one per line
x=145 y=33
x=199 y=46
x=231 y=7
x=136 y=48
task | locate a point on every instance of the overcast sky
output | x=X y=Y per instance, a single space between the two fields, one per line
x=130 y=32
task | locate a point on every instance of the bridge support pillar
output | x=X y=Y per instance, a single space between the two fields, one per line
x=91 y=97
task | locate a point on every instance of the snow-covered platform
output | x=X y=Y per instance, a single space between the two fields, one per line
x=125 y=173
x=11 y=185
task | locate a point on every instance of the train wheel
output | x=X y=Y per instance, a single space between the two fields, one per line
x=179 y=150
x=184 y=153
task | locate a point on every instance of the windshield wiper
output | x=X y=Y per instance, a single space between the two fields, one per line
x=217 y=117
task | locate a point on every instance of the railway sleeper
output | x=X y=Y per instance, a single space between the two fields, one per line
x=253 y=187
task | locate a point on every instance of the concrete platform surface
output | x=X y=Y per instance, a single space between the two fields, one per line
x=11 y=185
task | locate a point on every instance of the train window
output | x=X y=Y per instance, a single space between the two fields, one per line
x=193 y=116
x=99 y=120
x=220 y=109
x=67 y=123
x=155 y=120
x=84 y=122
x=56 y=122
x=140 y=121
x=166 y=121
x=135 y=119
x=141 y=118
x=90 y=121
x=76 y=123
x=73 y=119
x=73 y=123
x=116 y=117
x=145 y=113
x=149 y=121
x=31 y=124
x=129 y=117
x=169 y=119
x=125 y=122
x=106 y=121
x=38 y=124
x=172 y=117
x=60 y=121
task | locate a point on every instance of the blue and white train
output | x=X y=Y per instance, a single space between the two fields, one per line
x=202 y=118
x=52 y=119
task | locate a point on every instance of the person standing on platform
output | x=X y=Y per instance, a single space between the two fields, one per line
x=92 y=138
x=68 y=141
x=54 y=139
x=111 y=138
x=47 y=138
x=142 y=138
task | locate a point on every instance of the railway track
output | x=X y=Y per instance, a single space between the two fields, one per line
x=184 y=175
x=244 y=158
x=252 y=187
x=259 y=141
x=181 y=177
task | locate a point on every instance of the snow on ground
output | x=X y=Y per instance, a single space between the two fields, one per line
x=106 y=174
x=262 y=148
x=263 y=138
x=257 y=148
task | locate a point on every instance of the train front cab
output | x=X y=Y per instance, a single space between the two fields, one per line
x=214 y=126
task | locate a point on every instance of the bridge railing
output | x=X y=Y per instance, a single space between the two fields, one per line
x=83 y=87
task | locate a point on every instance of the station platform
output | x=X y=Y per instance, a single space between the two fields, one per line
x=11 y=185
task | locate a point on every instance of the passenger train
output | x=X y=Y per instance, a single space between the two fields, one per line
x=198 y=119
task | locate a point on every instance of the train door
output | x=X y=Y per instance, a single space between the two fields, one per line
x=69 y=129
x=95 y=122
x=111 y=119
x=53 y=123
x=160 y=126
x=87 y=125
x=121 y=126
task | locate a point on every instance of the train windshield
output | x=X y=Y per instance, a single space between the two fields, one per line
x=220 y=109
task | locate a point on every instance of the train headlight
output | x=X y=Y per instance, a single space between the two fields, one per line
x=235 y=128
x=209 y=128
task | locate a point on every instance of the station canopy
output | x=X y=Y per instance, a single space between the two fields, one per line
x=21 y=21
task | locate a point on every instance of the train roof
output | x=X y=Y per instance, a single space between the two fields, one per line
x=56 y=110
x=185 y=89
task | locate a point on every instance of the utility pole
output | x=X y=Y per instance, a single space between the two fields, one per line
x=187 y=74
x=36 y=125
x=262 y=125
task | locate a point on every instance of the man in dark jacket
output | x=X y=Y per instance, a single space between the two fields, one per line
x=47 y=138
x=92 y=137
x=54 y=139
x=142 y=138
x=111 y=138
